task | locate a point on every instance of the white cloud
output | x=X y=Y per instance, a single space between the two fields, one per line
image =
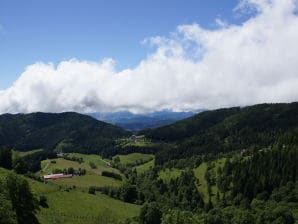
x=193 y=68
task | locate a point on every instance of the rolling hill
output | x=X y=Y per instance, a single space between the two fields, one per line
x=223 y=130
x=65 y=131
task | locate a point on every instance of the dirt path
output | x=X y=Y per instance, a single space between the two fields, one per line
x=46 y=167
x=108 y=163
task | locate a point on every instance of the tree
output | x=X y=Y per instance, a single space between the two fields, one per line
x=177 y=217
x=70 y=170
x=7 y=215
x=150 y=214
x=128 y=193
x=43 y=201
x=22 y=200
x=20 y=165
x=6 y=158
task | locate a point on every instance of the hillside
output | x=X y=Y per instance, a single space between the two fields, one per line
x=67 y=205
x=223 y=130
x=64 y=131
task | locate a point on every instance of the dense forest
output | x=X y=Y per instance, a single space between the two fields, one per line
x=63 y=132
x=224 y=130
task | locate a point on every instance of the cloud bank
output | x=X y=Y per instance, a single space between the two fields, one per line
x=192 y=68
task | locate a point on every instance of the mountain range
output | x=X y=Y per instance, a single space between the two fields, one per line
x=136 y=122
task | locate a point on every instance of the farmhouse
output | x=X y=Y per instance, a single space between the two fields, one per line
x=133 y=139
x=56 y=176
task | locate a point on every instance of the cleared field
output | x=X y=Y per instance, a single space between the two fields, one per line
x=169 y=174
x=84 y=182
x=92 y=178
x=133 y=158
x=202 y=183
x=22 y=154
x=144 y=167
x=48 y=166
x=78 y=207
x=141 y=141
x=96 y=159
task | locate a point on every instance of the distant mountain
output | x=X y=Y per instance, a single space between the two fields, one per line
x=65 y=131
x=134 y=122
x=222 y=130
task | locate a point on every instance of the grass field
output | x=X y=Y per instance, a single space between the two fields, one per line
x=77 y=207
x=141 y=141
x=169 y=174
x=200 y=175
x=84 y=182
x=92 y=178
x=61 y=163
x=26 y=153
x=146 y=166
x=133 y=158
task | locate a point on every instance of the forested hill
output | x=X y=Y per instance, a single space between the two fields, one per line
x=67 y=131
x=252 y=127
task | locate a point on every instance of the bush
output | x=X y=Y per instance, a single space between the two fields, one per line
x=92 y=165
x=91 y=190
x=112 y=175
x=150 y=214
x=43 y=201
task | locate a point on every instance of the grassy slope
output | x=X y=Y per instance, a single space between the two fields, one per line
x=199 y=172
x=141 y=142
x=84 y=182
x=78 y=207
x=144 y=167
x=99 y=207
x=92 y=178
x=22 y=154
x=134 y=157
x=200 y=175
x=169 y=174
x=75 y=207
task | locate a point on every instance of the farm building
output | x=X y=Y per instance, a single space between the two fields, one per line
x=133 y=139
x=56 y=176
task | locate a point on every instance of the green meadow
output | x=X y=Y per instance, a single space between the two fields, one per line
x=79 y=207
x=76 y=205
x=133 y=158
x=26 y=153
x=202 y=183
x=146 y=166
x=168 y=174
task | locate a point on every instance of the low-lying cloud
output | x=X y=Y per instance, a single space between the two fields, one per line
x=192 y=68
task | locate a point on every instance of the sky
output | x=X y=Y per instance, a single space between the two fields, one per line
x=54 y=30
x=145 y=56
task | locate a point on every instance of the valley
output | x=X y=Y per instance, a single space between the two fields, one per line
x=223 y=165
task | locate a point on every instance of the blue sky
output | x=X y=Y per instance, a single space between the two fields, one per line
x=61 y=54
x=56 y=30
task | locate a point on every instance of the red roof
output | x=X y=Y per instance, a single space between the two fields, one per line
x=57 y=176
